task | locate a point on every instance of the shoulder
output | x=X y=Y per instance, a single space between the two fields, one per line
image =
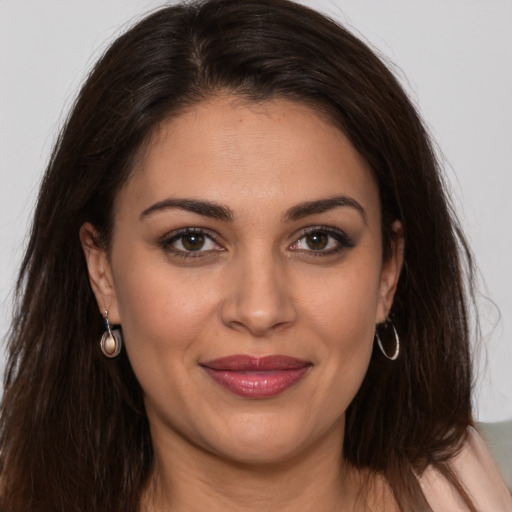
x=478 y=473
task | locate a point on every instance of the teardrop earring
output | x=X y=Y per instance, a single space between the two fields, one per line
x=112 y=340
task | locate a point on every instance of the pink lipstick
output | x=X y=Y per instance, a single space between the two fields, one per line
x=256 y=377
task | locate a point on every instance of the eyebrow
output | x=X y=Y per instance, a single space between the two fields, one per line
x=323 y=205
x=205 y=208
x=217 y=211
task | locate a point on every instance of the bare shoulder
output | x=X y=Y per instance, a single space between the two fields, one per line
x=478 y=473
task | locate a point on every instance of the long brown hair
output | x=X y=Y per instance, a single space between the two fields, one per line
x=74 y=435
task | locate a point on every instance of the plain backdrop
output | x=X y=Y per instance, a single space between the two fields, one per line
x=453 y=56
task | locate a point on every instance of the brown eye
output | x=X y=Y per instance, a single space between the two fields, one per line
x=190 y=242
x=322 y=241
x=317 y=240
x=193 y=241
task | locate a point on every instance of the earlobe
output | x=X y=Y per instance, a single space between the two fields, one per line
x=390 y=272
x=100 y=274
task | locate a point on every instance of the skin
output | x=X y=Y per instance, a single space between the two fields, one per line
x=256 y=287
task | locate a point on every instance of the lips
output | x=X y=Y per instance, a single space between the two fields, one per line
x=257 y=377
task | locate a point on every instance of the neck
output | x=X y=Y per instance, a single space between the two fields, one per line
x=188 y=478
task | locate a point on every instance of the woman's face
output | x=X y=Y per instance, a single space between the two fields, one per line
x=246 y=272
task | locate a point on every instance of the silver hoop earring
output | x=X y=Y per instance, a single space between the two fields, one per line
x=112 y=341
x=397 y=343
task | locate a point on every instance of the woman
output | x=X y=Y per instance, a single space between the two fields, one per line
x=244 y=287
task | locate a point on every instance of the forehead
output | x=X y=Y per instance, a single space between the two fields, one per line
x=247 y=155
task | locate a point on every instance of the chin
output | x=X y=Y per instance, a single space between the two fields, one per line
x=261 y=441
x=251 y=453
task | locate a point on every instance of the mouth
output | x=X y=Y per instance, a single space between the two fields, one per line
x=257 y=377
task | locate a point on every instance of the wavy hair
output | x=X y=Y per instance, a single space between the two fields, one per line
x=73 y=432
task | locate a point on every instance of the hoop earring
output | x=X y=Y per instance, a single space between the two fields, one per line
x=397 y=343
x=111 y=341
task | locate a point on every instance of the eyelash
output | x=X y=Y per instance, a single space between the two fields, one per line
x=167 y=243
x=343 y=242
x=342 y=239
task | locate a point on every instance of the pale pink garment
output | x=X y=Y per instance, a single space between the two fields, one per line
x=480 y=476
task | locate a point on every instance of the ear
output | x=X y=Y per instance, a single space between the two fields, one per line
x=390 y=273
x=100 y=274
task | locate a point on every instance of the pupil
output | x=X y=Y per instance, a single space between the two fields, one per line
x=317 y=240
x=193 y=241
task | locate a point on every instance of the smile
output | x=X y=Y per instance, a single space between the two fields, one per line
x=257 y=377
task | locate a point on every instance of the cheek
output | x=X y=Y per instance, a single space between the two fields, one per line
x=163 y=315
x=341 y=312
x=162 y=310
x=343 y=305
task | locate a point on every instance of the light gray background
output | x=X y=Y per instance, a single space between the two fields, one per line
x=456 y=56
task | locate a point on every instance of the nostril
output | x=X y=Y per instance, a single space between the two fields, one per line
x=281 y=326
x=257 y=299
x=260 y=322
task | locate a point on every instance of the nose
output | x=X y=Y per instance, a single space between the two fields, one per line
x=258 y=297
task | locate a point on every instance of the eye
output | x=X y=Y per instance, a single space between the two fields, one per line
x=322 y=240
x=188 y=241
